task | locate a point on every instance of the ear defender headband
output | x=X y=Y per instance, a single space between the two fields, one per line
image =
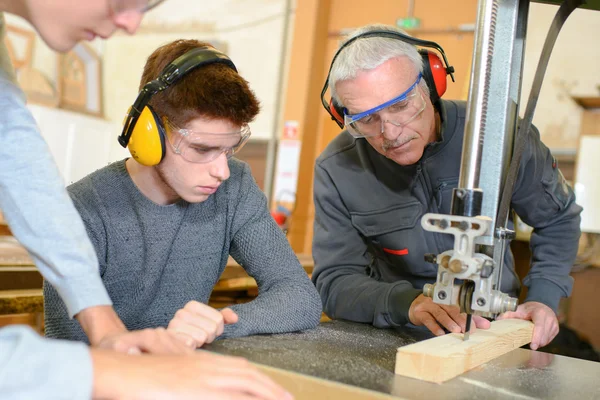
x=434 y=70
x=143 y=131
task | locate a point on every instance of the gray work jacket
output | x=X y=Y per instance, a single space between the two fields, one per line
x=368 y=241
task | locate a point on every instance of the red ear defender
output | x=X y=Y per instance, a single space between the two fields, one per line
x=434 y=72
x=336 y=113
x=438 y=72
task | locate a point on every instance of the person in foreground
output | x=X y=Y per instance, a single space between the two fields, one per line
x=399 y=158
x=163 y=227
x=35 y=204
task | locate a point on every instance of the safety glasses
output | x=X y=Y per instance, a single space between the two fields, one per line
x=399 y=111
x=204 y=147
x=142 y=6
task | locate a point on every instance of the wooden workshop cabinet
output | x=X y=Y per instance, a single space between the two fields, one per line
x=583 y=315
x=590 y=115
x=579 y=311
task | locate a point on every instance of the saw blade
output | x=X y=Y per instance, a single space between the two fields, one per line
x=467 y=327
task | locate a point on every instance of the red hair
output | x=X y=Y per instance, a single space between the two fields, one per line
x=214 y=91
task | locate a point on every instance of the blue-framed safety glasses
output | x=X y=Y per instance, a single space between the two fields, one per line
x=398 y=111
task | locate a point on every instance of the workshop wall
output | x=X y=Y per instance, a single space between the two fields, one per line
x=572 y=71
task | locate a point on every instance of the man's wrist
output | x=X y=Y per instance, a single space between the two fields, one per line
x=545 y=292
x=112 y=373
x=399 y=302
x=99 y=322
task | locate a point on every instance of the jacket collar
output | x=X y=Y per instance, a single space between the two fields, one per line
x=448 y=117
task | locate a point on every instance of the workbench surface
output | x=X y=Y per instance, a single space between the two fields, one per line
x=364 y=356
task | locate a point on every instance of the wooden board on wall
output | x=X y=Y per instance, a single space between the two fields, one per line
x=80 y=80
x=255 y=154
x=26 y=37
x=444 y=357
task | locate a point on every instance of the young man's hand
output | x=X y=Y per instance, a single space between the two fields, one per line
x=105 y=330
x=545 y=323
x=423 y=311
x=197 y=324
x=154 y=341
x=202 y=375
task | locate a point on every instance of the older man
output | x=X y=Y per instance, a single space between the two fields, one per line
x=399 y=158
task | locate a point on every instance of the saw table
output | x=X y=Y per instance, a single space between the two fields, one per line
x=363 y=356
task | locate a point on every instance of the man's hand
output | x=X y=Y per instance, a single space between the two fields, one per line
x=196 y=323
x=202 y=375
x=155 y=341
x=423 y=311
x=545 y=323
x=105 y=330
x=99 y=322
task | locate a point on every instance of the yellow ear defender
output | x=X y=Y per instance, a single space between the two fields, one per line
x=147 y=141
x=143 y=132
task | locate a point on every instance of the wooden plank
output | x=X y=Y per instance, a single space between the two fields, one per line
x=307 y=60
x=13 y=294
x=582 y=314
x=12 y=253
x=306 y=260
x=234 y=270
x=444 y=357
x=304 y=387
x=233 y=284
x=34 y=320
x=587 y=102
x=590 y=123
x=21 y=301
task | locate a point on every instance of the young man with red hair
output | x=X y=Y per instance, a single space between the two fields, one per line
x=163 y=233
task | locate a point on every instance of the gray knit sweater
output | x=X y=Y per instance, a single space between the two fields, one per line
x=154 y=259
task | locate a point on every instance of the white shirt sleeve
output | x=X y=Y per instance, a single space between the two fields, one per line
x=32 y=367
x=36 y=205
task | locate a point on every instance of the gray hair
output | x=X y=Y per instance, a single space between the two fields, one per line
x=369 y=53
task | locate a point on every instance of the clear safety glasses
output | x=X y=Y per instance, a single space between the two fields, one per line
x=204 y=147
x=398 y=111
x=120 y=6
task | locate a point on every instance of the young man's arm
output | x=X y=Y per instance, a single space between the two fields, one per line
x=203 y=375
x=34 y=368
x=39 y=212
x=287 y=300
x=41 y=216
x=35 y=203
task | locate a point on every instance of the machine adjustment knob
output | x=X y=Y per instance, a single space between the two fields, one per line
x=431 y=258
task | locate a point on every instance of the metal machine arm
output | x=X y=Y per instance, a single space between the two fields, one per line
x=479 y=220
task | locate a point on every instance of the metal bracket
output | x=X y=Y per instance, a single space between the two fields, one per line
x=463 y=263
